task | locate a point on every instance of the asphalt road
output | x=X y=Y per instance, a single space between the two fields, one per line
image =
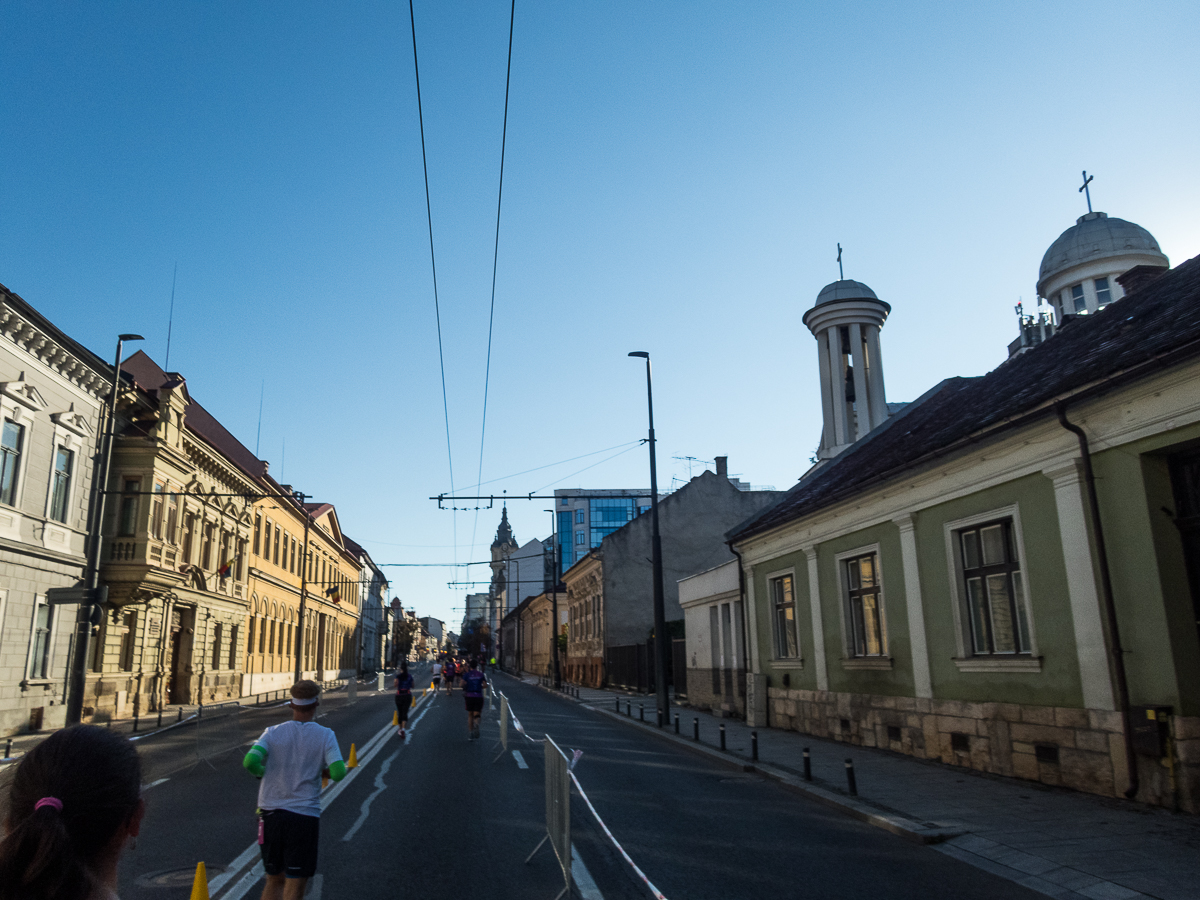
x=443 y=816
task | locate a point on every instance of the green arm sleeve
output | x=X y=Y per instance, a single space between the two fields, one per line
x=337 y=770
x=256 y=761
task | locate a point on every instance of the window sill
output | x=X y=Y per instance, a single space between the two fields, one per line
x=794 y=664
x=867 y=663
x=999 y=664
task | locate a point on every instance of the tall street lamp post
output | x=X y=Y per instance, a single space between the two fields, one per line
x=554 y=602
x=660 y=624
x=90 y=612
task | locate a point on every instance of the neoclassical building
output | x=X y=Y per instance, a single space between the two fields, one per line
x=51 y=392
x=177 y=525
x=1005 y=573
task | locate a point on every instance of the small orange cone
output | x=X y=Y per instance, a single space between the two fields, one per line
x=352 y=763
x=200 y=885
x=396 y=718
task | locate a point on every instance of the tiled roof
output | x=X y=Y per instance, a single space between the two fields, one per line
x=150 y=377
x=1151 y=327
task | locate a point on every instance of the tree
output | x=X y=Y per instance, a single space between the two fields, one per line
x=405 y=634
x=476 y=639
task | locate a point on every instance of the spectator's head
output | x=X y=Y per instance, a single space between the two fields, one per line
x=75 y=800
x=404 y=667
x=304 y=698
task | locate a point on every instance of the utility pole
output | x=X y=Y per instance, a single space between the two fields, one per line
x=554 y=598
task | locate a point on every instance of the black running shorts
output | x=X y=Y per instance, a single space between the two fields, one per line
x=289 y=843
x=403 y=702
x=474 y=704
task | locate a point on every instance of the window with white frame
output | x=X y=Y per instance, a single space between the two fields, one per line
x=1077 y=299
x=1103 y=293
x=994 y=589
x=156 y=510
x=864 y=603
x=60 y=489
x=11 y=439
x=39 y=645
x=783 y=605
x=129 y=507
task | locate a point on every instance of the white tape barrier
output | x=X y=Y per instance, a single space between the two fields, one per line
x=575 y=759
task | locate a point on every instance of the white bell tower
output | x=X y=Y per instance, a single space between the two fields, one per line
x=846 y=321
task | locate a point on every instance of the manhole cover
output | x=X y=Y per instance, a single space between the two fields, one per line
x=175 y=877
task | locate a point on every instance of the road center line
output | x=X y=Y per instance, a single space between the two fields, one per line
x=584 y=883
x=380 y=787
x=521 y=764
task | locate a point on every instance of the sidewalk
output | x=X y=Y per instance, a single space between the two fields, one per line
x=1055 y=841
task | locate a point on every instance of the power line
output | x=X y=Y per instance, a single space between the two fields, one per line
x=487 y=371
x=561 y=462
x=412 y=18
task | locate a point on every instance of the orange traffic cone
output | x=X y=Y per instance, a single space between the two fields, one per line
x=200 y=885
x=352 y=763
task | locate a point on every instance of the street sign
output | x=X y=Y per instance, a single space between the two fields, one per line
x=76 y=595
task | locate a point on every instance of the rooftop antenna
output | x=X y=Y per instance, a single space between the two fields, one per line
x=841 y=275
x=171 y=318
x=258 y=438
x=1086 y=190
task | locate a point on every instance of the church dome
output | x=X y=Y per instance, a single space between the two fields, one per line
x=845 y=290
x=1097 y=237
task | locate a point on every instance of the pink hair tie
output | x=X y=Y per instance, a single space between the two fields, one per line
x=48 y=801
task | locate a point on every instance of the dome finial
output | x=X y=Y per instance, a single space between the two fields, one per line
x=1086 y=190
x=841 y=274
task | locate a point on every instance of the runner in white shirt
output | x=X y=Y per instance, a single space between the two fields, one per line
x=437 y=674
x=291 y=758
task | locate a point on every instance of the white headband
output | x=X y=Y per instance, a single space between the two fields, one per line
x=297 y=701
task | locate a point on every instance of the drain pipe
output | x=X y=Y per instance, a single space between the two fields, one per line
x=1106 y=596
x=745 y=615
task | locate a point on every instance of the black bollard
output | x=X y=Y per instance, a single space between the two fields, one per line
x=641 y=712
x=807 y=766
x=660 y=717
x=754 y=745
x=159 y=725
x=850 y=778
x=179 y=718
x=617 y=700
x=722 y=730
x=677 y=723
x=135 y=721
x=696 y=729
x=629 y=708
x=8 y=749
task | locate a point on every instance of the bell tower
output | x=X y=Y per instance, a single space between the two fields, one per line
x=845 y=321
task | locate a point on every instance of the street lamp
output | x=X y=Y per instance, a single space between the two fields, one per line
x=660 y=624
x=555 y=542
x=90 y=611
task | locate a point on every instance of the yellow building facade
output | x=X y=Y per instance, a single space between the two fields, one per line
x=278 y=574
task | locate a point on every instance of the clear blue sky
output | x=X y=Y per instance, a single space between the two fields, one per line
x=678 y=176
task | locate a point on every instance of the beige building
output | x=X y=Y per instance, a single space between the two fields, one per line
x=584 y=662
x=174 y=557
x=278 y=572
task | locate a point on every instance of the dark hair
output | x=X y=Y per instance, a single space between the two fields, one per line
x=48 y=854
x=404 y=667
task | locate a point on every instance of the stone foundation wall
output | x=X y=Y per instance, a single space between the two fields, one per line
x=700 y=692
x=1081 y=749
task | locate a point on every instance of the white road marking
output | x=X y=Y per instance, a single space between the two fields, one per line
x=521 y=764
x=146 y=787
x=583 y=878
x=380 y=787
x=242 y=887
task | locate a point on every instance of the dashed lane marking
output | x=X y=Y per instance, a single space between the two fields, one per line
x=584 y=882
x=521 y=764
x=146 y=787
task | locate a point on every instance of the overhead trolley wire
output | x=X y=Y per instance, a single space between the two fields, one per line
x=433 y=261
x=487 y=372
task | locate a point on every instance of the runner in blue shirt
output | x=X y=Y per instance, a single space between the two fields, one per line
x=474 y=684
x=404 y=686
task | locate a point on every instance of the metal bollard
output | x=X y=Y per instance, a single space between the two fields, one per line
x=8 y=749
x=754 y=745
x=135 y=720
x=660 y=717
x=179 y=718
x=850 y=778
x=807 y=766
x=641 y=712
x=696 y=729
x=617 y=700
x=722 y=730
x=159 y=725
x=677 y=723
x=629 y=708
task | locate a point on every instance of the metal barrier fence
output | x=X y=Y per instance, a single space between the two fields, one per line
x=503 y=721
x=558 y=809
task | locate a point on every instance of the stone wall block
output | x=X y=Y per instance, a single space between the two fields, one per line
x=843 y=706
x=1116 y=753
x=1086 y=771
x=907 y=704
x=1067 y=717
x=923 y=705
x=950 y=723
x=1188 y=752
x=1048 y=773
x=1037 y=715
x=1000 y=740
x=1105 y=720
x=1093 y=741
x=1186 y=728
x=1043 y=734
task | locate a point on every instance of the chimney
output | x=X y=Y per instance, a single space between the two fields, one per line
x=1140 y=276
x=723 y=466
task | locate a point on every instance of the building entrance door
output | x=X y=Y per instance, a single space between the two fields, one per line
x=179 y=684
x=1185 y=481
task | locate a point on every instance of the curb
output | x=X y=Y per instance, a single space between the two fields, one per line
x=904 y=827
